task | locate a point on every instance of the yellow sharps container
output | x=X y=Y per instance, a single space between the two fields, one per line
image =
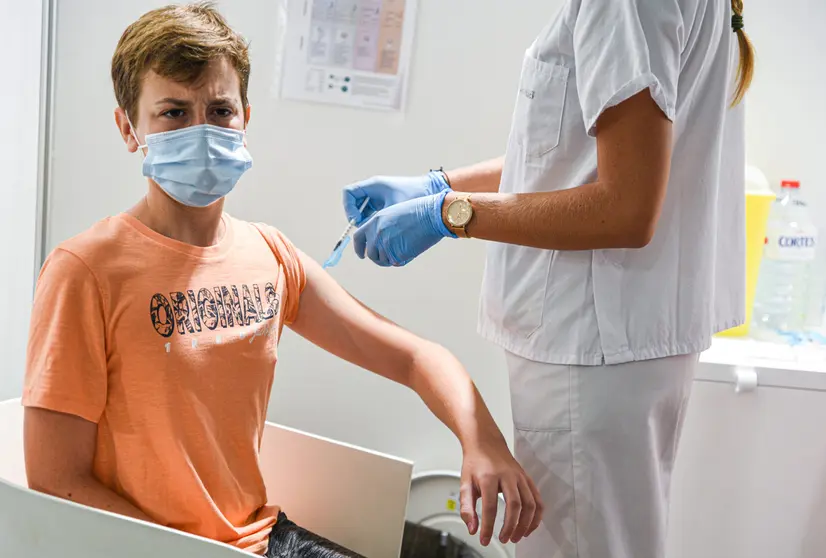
x=759 y=199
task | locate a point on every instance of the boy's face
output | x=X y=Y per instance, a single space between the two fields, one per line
x=164 y=104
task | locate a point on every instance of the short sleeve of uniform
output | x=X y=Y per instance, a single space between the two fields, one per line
x=294 y=276
x=622 y=47
x=66 y=359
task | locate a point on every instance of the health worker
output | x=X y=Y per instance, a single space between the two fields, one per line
x=616 y=229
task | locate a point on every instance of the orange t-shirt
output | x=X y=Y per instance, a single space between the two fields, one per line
x=171 y=350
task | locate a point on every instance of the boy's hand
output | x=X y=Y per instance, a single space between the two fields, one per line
x=488 y=470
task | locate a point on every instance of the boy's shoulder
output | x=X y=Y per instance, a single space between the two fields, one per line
x=284 y=250
x=274 y=237
x=251 y=227
x=103 y=240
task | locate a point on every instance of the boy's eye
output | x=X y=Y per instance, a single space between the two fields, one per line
x=174 y=113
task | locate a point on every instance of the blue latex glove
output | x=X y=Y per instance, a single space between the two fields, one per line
x=396 y=235
x=385 y=191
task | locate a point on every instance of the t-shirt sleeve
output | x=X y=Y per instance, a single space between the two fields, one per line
x=294 y=276
x=623 y=47
x=66 y=367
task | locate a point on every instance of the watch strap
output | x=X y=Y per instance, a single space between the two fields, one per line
x=441 y=170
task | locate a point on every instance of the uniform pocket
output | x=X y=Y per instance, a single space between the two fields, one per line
x=540 y=106
x=540 y=395
x=519 y=285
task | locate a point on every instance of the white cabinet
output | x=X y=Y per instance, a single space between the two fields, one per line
x=750 y=480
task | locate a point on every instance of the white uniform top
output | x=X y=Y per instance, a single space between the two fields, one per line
x=616 y=306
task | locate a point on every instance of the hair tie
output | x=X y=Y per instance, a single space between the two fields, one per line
x=737 y=22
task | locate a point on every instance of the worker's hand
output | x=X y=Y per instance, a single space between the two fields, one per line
x=385 y=191
x=486 y=472
x=396 y=235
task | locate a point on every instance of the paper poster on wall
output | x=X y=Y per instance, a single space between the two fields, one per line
x=348 y=52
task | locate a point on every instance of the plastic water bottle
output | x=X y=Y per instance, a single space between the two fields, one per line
x=782 y=296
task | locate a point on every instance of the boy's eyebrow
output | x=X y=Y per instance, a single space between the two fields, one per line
x=220 y=100
x=173 y=101
x=223 y=100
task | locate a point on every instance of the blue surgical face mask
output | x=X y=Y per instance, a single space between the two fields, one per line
x=198 y=165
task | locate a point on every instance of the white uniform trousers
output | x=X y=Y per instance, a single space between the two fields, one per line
x=600 y=444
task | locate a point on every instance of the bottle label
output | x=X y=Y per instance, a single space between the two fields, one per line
x=792 y=248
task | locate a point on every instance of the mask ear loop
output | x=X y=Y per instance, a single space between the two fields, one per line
x=134 y=133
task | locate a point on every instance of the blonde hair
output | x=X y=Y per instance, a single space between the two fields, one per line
x=745 y=68
x=177 y=42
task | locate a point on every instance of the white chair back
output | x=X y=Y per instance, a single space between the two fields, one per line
x=352 y=496
x=12 y=463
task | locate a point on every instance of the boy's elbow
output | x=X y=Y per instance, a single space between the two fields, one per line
x=47 y=485
x=61 y=481
x=43 y=479
x=63 y=486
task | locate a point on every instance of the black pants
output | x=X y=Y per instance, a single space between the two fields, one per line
x=424 y=542
x=288 y=540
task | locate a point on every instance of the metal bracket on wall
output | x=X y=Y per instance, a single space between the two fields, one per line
x=745 y=379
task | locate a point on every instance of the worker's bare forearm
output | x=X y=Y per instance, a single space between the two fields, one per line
x=482 y=177
x=87 y=490
x=448 y=391
x=591 y=217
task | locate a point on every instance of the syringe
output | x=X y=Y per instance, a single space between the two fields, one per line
x=344 y=240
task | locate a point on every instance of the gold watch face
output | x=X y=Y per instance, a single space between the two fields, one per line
x=459 y=213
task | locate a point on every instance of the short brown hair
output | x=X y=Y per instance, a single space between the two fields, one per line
x=176 y=42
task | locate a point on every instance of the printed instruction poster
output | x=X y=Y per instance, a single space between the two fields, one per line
x=348 y=52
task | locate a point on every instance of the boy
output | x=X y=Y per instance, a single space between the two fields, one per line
x=154 y=334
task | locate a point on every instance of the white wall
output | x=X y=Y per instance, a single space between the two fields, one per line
x=20 y=36
x=786 y=112
x=465 y=70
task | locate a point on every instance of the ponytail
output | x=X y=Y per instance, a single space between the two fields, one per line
x=745 y=68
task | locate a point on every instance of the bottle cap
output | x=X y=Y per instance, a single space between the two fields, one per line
x=790 y=184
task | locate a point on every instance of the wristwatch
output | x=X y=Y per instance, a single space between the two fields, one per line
x=458 y=215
